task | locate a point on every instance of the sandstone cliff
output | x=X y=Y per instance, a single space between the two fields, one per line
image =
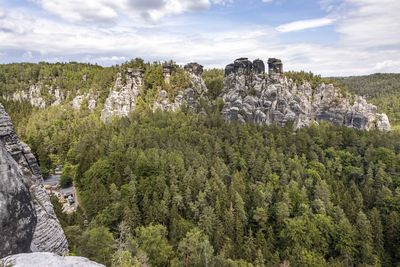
x=189 y=97
x=122 y=98
x=250 y=95
x=27 y=221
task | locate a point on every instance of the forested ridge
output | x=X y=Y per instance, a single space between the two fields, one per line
x=183 y=189
x=382 y=89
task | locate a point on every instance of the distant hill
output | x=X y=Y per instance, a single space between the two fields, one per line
x=381 y=89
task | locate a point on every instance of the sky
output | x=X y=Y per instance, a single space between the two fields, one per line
x=327 y=37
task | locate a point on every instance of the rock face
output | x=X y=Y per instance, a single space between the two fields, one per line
x=275 y=66
x=27 y=221
x=252 y=96
x=122 y=98
x=79 y=100
x=34 y=96
x=46 y=259
x=17 y=214
x=190 y=96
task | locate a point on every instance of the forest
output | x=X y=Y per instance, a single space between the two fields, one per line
x=183 y=189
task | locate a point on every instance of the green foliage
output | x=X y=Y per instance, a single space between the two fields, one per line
x=69 y=78
x=195 y=249
x=175 y=189
x=152 y=240
x=214 y=79
x=68 y=175
x=248 y=194
x=179 y=81
x=97 y=244
x=300 y=77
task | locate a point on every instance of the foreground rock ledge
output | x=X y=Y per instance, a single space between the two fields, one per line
x=41 y=259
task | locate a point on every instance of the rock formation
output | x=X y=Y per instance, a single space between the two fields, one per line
x=79 y=100
x=46 y=259
x=190 y=96
x=17 y=214
x=122 y=98
x=252 y=96
x=27 y=220
x=34 y=96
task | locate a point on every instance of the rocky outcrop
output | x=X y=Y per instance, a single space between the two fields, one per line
x=46 y=259
x=28 y=221
x=275 y=66
x=252 y=96
x=35 y=97
x=189 y=97
x=89 y=99
x=122 y=98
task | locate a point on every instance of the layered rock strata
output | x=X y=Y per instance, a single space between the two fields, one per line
x=27 y=221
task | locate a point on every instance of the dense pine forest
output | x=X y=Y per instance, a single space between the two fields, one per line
x=184 y=189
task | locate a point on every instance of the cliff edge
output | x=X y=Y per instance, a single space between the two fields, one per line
x=27 y=219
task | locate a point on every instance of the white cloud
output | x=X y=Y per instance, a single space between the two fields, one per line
x=361 y=47
x=305 y=24
x=370 y=23
x=77 y=10
x=106 y=11
x=113 y=58
x=388 y=66
x=27 y=55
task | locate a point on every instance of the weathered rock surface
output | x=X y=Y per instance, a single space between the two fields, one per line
x=190 y=96
x=89 y=99
x=34 y=96
x=252 y=96
x=46 y=259
x=21 y=191
x=17 y=214
x=122 y=98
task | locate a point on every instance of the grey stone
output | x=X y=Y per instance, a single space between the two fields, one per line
x=123 y=96
x=25 y=192
x=258 y=66
x=189 y=97
x=279 y=100
x=275 y=66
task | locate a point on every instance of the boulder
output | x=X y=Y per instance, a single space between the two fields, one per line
x=258 y=66
x=275 y=66
x=194 y=68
